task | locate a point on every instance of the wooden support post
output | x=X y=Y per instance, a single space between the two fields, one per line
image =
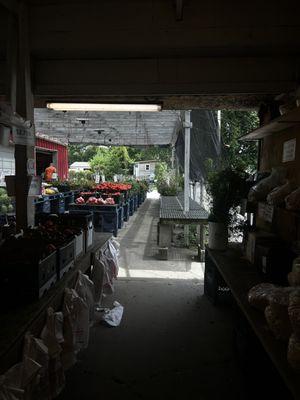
x=22 y=100
x=187 y=132
x=187 y=235
x=201 y=244
x=186 y=203
x=173 y=157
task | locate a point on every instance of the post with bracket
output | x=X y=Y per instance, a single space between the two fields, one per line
x=187 y=139
x=20 y=98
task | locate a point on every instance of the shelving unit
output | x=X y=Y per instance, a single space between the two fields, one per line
x=240 y=276
x=279 y=124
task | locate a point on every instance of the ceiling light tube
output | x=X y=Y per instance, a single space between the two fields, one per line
x=104 y=107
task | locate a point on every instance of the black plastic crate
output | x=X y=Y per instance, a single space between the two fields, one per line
x=215 y=288
x=43 y=205
x=69 y=199
x=27 y=281
x=78 y=218
x=105 y=221
x=110 y=223
x=98 y=221
x=135 y=202
x=126 y=211
x=65 y=258
x=84 y=220
x=58 y=204
x=131 y=206
x=120 y=217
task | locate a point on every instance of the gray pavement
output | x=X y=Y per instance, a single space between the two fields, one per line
x=171 y=344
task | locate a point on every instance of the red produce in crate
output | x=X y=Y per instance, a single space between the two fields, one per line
x=92 y=200
x=110 y=201
x=113 y=186
x=80 y=200
x=100 y=201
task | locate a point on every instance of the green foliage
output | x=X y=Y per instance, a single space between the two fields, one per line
x=161 y=171
x=226 y=176
x=81 y=179
x=157 y=153
x=236 y=153
x=5 y=202
x=226 y=187
x=167 y=189
x=167 y=182
x=80 y=152
x=112 y=161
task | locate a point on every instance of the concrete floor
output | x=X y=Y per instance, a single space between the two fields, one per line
x=172 y=343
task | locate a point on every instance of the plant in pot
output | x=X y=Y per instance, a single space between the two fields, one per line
x=227 y=187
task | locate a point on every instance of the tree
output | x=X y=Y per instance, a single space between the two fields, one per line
x=111 y=161
x=158 y=153
x=78 y=152
x=236 y=153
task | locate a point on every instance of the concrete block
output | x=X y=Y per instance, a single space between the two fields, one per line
x=162 y=253
x=165 y=235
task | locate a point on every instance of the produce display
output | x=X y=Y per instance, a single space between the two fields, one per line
x=276 y=314
x=113 y=187
x=48 y=189
x=281 y=306
x=259 y=295
x=95 y=201
x=6 y=205
x=37 y=243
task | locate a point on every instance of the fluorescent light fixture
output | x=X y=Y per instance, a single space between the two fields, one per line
x=104 y=107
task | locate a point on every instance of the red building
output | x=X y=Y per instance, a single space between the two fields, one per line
x=48 y=151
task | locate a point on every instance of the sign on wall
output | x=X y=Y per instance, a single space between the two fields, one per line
x=289 y=150
x=24 y=136
x=30 y=166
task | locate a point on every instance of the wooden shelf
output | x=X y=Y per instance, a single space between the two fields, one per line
x=285 y=121
x=240 y=276
x=31 y=317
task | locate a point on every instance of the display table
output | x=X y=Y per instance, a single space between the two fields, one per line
x=240 y=276
x=172 y=212
x=31 y=317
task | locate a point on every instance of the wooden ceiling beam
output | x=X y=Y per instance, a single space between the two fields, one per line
x=179 y=10
x=10 y=5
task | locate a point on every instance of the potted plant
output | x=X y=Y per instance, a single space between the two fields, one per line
x=227 y=188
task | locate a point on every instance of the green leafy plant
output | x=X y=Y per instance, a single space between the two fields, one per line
x=6 y=204
x=81 y=180
x=226 y=187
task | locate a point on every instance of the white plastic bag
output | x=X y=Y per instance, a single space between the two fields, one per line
x=53 y=337
x=79 y=314
x=36 y=350
x=263 y=188
x=292 y=201
x=97 y=276
x=278 y=194
x=114 y=316
x=86 y=290
x=68 y=355
x=113 y=256
x=19 y=382
x=108 y=266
